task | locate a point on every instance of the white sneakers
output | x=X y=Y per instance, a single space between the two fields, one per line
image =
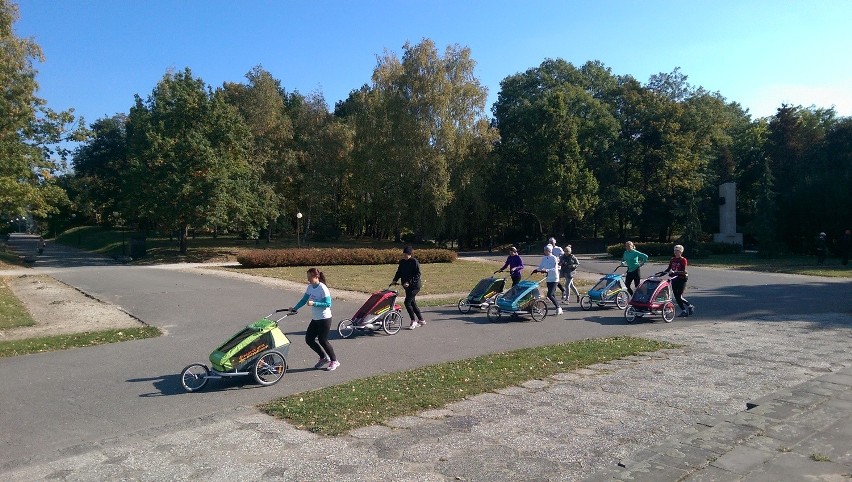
x=559 y=310
x=413 y=325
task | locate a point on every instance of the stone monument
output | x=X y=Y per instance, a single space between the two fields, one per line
x=728 y=215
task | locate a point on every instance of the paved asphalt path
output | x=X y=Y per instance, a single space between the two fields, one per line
x=61 y=403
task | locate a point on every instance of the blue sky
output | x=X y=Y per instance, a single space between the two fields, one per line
x=99 y=53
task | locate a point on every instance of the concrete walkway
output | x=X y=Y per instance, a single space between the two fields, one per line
x=679 y=414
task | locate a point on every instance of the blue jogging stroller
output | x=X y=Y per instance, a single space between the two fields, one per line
x=609 y=291
x=522 y=299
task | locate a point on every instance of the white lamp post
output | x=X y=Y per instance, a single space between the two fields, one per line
x=298 y=229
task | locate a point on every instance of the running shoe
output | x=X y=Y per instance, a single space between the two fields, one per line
x=332 y=366
x=321 y=363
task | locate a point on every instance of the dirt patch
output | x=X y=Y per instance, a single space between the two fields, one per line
x=60 y=309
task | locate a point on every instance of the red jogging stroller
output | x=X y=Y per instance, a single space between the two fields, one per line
x=379 y=312
x=653 y=297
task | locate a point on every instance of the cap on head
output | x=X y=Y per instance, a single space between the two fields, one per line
x=822 y=235
x=407 y=250
x=513 y=249
x=679 y=248
x=549 y=248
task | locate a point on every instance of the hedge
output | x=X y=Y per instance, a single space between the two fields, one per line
x=270 y=258
x=665 y=249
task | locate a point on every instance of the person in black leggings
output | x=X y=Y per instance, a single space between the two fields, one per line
x=318 y=297
x=409 y=273
x=677 y=269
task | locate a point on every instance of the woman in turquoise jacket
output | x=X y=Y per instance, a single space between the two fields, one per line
x=633 y=260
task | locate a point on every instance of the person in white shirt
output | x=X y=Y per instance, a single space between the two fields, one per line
x=558 y=252
x=550 y=265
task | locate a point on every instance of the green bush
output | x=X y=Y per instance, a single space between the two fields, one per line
x=271 y=258
x=665 y=249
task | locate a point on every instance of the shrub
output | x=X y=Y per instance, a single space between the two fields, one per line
x=698 y=250
x=270 y=258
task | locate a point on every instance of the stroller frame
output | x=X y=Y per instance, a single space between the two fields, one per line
x=653 y=297
x=610 y=290
x=522 y=299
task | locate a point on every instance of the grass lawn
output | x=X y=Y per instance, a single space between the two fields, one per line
x=804 y=265
x=12 y=311
x=457 y=277
x=63 y=342
x=340 y=408
x=10 y=260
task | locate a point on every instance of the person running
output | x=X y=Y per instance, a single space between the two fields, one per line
x=558 y=252
x=409 y=273
x=677 y=268
x=318 y=297
x=633 y=260
x=550 y=265
x=515 y=265
x=568 y=264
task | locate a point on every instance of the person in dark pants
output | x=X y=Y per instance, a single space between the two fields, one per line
x=633 y=260
x=845 y=246
x=515 y=265
x=318 y=297
x=821 y=248
x=409 y=273
x=677 y=268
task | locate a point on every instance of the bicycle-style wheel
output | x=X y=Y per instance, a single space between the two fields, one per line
x=538 y=310
x=464 y=306
x=586 y=303
x=392 y=322
x=194 y=377
x=270 y=367
x=345 y=328
x=668 y=312
x=493 y=314
x=621 y=300
x=630 y=314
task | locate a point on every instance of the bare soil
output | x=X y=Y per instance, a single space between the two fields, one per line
x=60 y=309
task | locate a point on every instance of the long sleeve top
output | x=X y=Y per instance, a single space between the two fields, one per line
x=321 y=296
x=514 y=263
x=634 y=259
x=408 y=272
x=550 y=265
x=677 y=266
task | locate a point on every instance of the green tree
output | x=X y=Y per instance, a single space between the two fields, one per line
x=100 y=167
x=431 y=106
x=551 y=128
x=190 y=157
x=30 y=133
x=263 y=104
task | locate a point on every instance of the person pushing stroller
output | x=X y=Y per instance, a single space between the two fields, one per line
x=550 y=266
x=677 y=269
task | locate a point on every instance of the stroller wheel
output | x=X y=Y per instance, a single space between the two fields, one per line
x=538 y=310
x=345 y=328
x=392 y=322
x=194 y=377
x=270 y=367
x=668 y=312
x=463 y=305
x=586 y=303
x=493 y=314
x=630 y=314
x=621 y=300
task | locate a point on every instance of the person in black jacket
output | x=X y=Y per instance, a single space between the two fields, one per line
x=409 y=273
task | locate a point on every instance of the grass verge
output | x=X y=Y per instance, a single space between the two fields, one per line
x=12 y=311
x=438 y=278
x=801 y=265
x=63 y=342
x=360 y=403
